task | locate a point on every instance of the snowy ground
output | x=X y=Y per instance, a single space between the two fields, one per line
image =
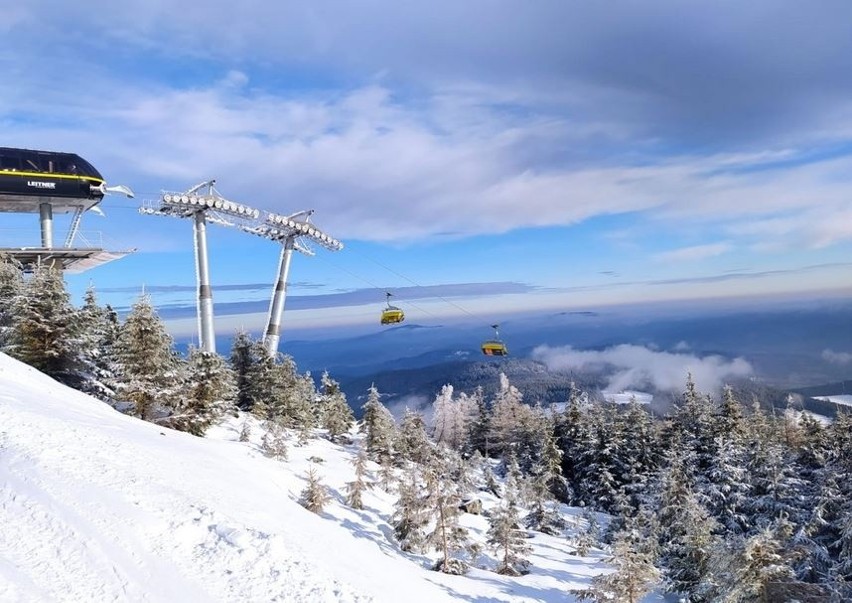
x=99 y=506
x=844 y=399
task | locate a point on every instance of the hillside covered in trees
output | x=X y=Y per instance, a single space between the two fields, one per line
x=717 y=500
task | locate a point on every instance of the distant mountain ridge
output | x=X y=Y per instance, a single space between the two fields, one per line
x=785 y=346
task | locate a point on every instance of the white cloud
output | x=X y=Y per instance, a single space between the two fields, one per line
x=836 y=357
x=375 y=168
x=694 y=253
x=635 y=366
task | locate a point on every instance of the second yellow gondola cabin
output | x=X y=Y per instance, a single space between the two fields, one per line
x=495 y=347
x=392 y=315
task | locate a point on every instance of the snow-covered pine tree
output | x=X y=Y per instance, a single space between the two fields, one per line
x=599 y=460
x=336 y=416
x=356 y=488
x=378 y=426
x=245 y=431
x=315 y=496
x=505 y=534
x=478 y=424
x=840 y=442
x=262 y=383
x=243 y=358
x=742 y=567
x=636 y=461
x=489 y=480
x=729 y=421
x=96 y=333
x=410 y=515
x=148 y=372
x=450 y=418
x=273 y=443
x=294 y=400
x=442 y=421
x=209 y=393
x=443 y=500
x=573 y=433
x=633 y=556
x=305 y=413
x=412 y=442
x=775 y=484
x=725 y=485
x=508 y=416
x=686 y=531
x=589 y=536
x=11 y=286
x=43 y=327
x=543 y=515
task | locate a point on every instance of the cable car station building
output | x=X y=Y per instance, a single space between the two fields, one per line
x=47 y=183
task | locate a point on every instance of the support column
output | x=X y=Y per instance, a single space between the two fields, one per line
x=279 y=295
x=206 y=334
x=45 y=213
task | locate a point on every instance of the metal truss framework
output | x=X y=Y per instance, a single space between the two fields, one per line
x=293 y=232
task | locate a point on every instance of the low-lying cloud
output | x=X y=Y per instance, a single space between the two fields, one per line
x=836 y=357
x=633 y=366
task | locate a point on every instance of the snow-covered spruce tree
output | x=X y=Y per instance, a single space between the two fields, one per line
x=209 y=393
x=243 y=357
x=543 y=515
x=637 y=457
x=336 y=415
x=775 y=484
x=533 y=428
x=148 y=372
x=442 y=421
x=11 y=286
x=462 y=471
x=293 y=404
x=633 y=556
x=840 y=572
x=387 y=475
x=508 y=416
x=356 y=488
x=742 y=567
x=378 y=425
x=574 y=437
x=505 y=534
x=840 y=545
x=262 y=384
x=42 y=331
x=410 y=515
x=589 y=536
x=273 y=443
x=599 y=461
x=692 y=422
x=97 y=329
x=412 y=442
x=686 y=532
x=489 y=480
x=729 y=420
x=478 y=424
x=245 y=431
x=443 y=500
x=450 y=418
x=725 y=486
x=315 y=496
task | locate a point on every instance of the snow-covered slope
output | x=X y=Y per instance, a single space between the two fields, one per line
x=99 y=506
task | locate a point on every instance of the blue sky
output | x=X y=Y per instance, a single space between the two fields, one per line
x=476 y=158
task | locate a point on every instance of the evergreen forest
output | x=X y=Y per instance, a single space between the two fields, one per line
x=720 y=499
